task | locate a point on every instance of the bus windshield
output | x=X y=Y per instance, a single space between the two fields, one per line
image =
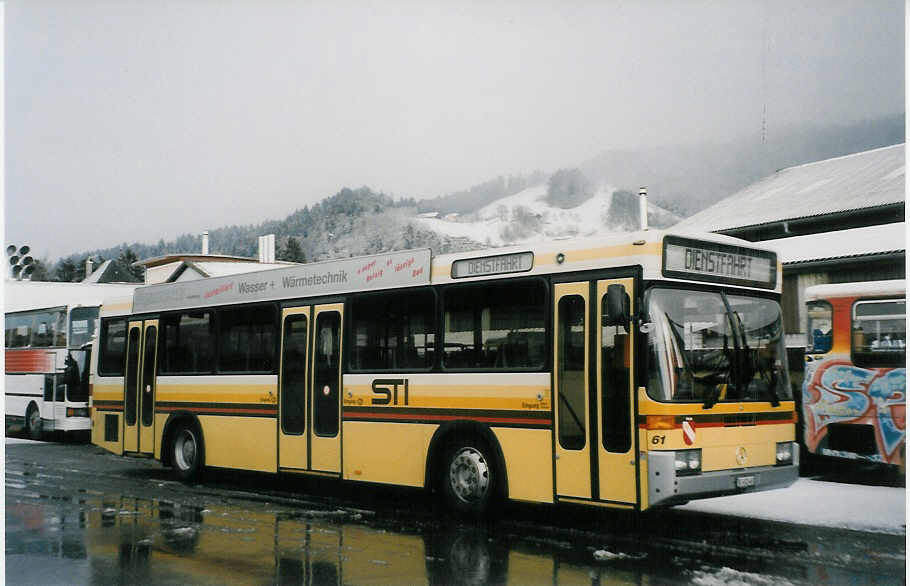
x=710 y=346
x=82 y=325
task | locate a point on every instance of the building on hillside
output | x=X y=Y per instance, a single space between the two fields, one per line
x=833 y=221
x=178 y=267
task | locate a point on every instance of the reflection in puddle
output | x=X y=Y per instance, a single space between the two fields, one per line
x=132 y=540
x=144 y=541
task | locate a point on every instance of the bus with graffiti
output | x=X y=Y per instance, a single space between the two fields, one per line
x=854 y=390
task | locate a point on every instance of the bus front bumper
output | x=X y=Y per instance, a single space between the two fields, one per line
x=666 y=488
x=74 y=424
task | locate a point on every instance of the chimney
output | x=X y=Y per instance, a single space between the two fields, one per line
x=267 y=248
x=88 y=267
x=643 y=207
x=205 y=242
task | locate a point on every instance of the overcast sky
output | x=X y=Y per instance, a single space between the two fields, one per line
x=133 y=121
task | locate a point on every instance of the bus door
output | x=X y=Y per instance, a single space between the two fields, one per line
x=616 y=451
x=325 y=389
x=595 y=457
x=570 y=381
x=292 y=389
x=139 y=383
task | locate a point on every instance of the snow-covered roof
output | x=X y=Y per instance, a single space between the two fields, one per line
x=193 y=257
x=25 y=295
x=223 y=269
x=864 y=288
x=96 y=275
x=869 y=240
x=862 y=180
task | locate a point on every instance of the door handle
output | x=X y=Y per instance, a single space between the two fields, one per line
x=148 y=388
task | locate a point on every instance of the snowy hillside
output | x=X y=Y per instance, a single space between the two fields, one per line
x=527 y=216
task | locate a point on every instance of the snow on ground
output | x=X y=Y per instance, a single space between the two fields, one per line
x=15 y=440
x=879 y=509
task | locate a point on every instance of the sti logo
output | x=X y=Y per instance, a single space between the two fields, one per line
x=385 y=391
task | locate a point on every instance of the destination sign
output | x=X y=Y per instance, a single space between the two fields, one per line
x=381 y=271
x=518 y=262
x=708 y=261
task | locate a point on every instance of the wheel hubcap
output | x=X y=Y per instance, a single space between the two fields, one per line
x=185 y=449
x=34 y=419
x=469 y=475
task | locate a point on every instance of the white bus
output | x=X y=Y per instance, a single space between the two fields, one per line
x=48 y=333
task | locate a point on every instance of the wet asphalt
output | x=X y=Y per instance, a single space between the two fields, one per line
x=78 y=515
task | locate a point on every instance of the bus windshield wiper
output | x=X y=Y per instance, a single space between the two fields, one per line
x=712 y=396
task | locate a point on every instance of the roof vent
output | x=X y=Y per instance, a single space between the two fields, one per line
x=267 y=248
x=643 y=207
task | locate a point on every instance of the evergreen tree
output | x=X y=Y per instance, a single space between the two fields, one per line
x=126 y=259
x=65 y=271
x=568 y=188
x=40 y=272
x=292 y=252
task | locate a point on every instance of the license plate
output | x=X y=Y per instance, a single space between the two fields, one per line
x=745 y=481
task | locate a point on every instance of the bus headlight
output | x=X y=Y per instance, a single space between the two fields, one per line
x=688 y=462
x=784 y=453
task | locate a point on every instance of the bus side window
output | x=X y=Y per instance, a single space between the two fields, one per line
x=879 y=333
x=113 y=347
x=246 y=339
x=570 y=372
x=820 y=315
x=19 y=330
x=393 y=331
x=59 y=330
x=498 y=327
x=326 y=374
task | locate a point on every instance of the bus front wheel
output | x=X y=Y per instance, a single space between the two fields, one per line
x=187 y=451
x=469 y=478
x=33 y=425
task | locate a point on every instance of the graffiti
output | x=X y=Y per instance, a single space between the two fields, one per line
x=839 y=392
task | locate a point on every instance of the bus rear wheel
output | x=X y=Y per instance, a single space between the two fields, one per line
x=187 y=452
x=469 y=478
x=33 y=424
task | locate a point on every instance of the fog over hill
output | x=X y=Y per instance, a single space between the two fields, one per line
x=688 y=178
x=599 y=196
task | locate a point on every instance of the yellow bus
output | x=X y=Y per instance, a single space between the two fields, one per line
x=630 y=371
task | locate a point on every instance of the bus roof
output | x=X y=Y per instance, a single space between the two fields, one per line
x=621 y=249
x=412 y=268
x=859 y=289
x=30 y=295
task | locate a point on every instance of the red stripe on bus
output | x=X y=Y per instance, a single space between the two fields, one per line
x=29 y=361
x=218 y=410
x=414 y=416
x=700 y=425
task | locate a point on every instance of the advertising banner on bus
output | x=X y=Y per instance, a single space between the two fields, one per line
x=382 y=271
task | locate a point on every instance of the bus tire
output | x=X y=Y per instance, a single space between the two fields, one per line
x=187 y=451
x=34 y=427
x=469 y=477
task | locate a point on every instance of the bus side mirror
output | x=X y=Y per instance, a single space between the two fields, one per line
x=618 y=311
